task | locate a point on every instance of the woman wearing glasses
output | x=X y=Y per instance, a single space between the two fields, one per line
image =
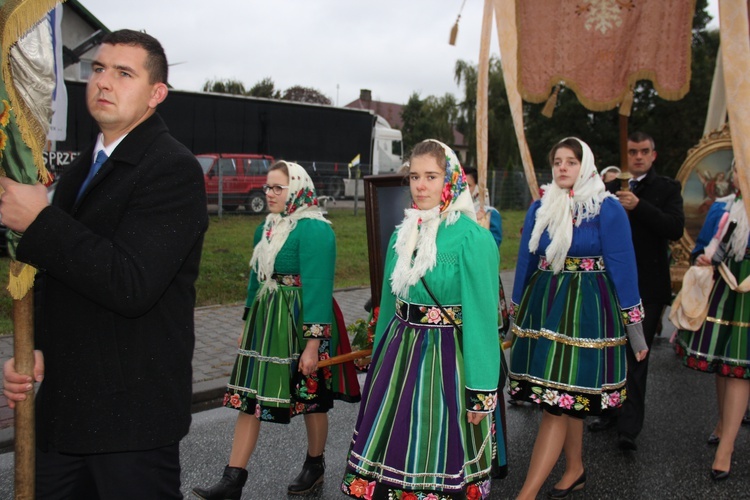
x=289 y=327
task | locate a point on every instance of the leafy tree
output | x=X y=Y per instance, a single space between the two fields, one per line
x=467 y=72
x=227 y=86
x=429 y=118
x=600 y=130
x=413 y=129
x=502 y=148
x=299 y=93
x=265 y=88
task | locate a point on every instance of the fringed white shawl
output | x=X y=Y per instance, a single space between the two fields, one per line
x=738 y=241
x=561 y=208
x=415 y=243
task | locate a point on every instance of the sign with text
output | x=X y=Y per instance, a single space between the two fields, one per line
x=56 y=161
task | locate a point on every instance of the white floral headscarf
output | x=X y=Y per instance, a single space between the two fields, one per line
x=562 y=208
x=301 y=203
x=415 y=243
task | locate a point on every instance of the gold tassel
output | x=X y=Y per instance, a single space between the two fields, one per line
x=549 y=107
x=454 y=32
x=454 y=29
x=626 y=106
x=21 y=279
x=18 y=17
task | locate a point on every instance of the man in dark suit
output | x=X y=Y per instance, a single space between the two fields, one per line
x=655 y=211
x=118 y=252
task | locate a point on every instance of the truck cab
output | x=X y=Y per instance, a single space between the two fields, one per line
x=387 y=156
x=387 y=148
x=236 y=179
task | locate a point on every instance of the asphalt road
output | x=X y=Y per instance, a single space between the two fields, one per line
x=672 y=461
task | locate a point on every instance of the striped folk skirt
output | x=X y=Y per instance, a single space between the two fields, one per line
x=722 y=344
x=569 y=351
x=265 y=381
x=412 y=438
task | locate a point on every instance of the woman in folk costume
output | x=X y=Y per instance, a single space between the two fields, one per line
x=424 y=425
x=290 y=326
x=576 y=304
x=722 y=344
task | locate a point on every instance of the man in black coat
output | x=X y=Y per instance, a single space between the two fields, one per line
x=118 y=252
x=655 y=210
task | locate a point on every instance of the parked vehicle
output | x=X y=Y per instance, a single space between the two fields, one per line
x=236 y=180
x=387 y=156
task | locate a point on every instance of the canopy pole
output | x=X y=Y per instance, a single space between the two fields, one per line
x=25 y=441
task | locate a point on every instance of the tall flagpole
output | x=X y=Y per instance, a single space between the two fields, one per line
x=482 y=107
x=25 y=439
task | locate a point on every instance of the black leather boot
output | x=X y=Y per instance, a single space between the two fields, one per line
x=311 y=476
x=229 y=486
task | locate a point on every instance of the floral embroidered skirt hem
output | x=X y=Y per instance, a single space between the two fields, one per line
x=722 y=344
x=265 y=381
x=569 y=351
x=412 y=439
x=358 y=486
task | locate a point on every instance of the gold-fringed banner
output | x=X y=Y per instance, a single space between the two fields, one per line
x=17 y=18
x=26 y=87
x=600 y=49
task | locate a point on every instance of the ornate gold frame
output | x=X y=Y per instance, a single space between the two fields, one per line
x=713 y=142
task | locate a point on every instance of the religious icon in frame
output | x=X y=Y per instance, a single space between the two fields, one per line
x=705 y=176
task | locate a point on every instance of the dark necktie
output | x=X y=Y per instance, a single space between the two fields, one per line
x=633 y=184
x=101 y=157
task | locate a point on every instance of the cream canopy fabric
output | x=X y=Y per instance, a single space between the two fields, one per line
x=735 y=51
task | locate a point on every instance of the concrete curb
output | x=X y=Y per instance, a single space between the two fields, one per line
x=7 y=439
x=206 y=395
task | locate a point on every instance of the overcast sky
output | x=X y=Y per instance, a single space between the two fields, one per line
x=392 y=47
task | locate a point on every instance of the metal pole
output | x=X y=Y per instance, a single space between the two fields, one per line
x=356 y=190
x=221 y=188
x=624 y=175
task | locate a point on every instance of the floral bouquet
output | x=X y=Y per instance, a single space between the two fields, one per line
x=363 y=336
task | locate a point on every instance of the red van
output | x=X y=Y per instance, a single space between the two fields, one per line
x=237 y=179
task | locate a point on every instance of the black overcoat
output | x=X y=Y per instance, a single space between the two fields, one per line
x=657 y=219
x=115 y=295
